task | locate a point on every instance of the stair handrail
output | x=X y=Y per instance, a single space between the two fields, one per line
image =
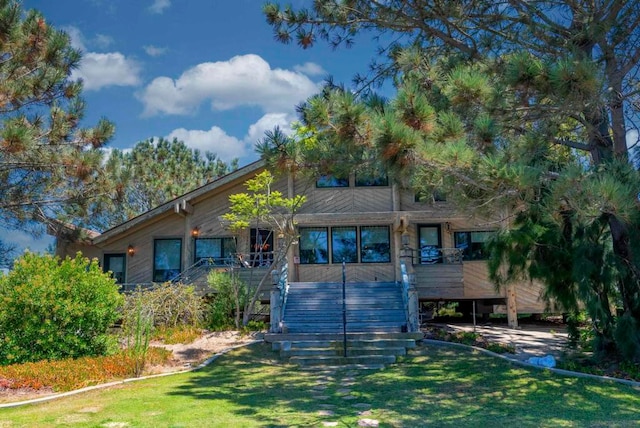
x=196 y=270
x=409 y=300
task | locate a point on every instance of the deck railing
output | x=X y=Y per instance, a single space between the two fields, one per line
x=429 y=255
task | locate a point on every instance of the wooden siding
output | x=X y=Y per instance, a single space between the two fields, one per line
x=354 y=272
x=528 y=297
x=476 y=282
x=348 y=200
x=439 y=281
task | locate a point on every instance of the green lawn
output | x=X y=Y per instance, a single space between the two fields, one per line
x=435 y=386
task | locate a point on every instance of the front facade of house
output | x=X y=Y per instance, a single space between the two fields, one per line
x=368 y=223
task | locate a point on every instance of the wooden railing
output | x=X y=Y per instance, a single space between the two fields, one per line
x=433 y=255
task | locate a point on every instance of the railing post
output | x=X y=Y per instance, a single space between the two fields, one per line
x=414 y=315
x=275 y=309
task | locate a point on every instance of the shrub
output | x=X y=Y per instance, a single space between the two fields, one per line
x=53 y=309
x=180 y=334
x=69 y=374
x=230 y=298
x=166 y=305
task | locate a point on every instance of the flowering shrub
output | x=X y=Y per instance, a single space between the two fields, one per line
x=53 y=309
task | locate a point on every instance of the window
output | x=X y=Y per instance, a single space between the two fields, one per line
x=332 y=181
x=314 y=245
x=374 y=244
x=472 y=244
x=372 y=180
x=116 y=264
x=167 y=257
x=216 y=250
x=343 y=245
x=429 y=244
x=351 y=244
x=261 y=247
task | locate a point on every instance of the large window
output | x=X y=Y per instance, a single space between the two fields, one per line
x=374 y=244
x=371 y=180
x=429 y=244
x=344 y=246
x=215 y=250
x=116 y=264
x=351 y=244
x=472 y=244
x=332 y=181
x=167 y=256
x=314 y=245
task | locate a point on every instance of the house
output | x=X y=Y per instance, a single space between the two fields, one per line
x=369 y=223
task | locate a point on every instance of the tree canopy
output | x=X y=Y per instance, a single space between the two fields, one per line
x=150 y=174
x=519 y=108
x=47 y=161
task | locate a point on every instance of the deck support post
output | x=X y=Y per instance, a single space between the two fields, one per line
x=512 y=307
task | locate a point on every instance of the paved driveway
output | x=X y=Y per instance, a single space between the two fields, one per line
x=529 y=340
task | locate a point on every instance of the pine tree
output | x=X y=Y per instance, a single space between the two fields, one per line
x=521 y=109
x=150 y=174
x=47 y=162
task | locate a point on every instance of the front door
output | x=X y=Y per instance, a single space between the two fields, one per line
x=429 y=245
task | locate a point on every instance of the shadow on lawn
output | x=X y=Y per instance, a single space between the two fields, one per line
x=437 y=386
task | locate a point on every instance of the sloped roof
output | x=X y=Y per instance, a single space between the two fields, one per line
x=179 y=201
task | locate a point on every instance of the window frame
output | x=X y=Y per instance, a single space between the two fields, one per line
x=468 y=253
x=215 y=260
x=330 y=181
x=168 y=275
x=356 y=248
x=106 y=265
x=371 y=180
x=356 y=255
x=319 y=229
x=430 y=256
x=362 y=248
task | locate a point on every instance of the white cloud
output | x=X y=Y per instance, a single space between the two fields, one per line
x=310 y=69
x=267 y=123
x=246 y=80
x=103 y=41
x=98 y=70
x=159 y=6
x=214 y=140
x=155 y=50
x=77 y=40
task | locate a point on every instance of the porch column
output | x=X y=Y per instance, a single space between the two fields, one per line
x=274 y=304
x=512 y=307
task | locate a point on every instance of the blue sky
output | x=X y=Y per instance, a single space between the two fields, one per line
x=208 y=72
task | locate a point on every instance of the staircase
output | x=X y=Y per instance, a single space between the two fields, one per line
x=313 y=325
x=316 y=307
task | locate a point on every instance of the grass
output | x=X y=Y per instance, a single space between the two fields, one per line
x=435 y=386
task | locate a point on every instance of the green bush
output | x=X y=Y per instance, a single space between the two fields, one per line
x=230 y=298
x=54 y=309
